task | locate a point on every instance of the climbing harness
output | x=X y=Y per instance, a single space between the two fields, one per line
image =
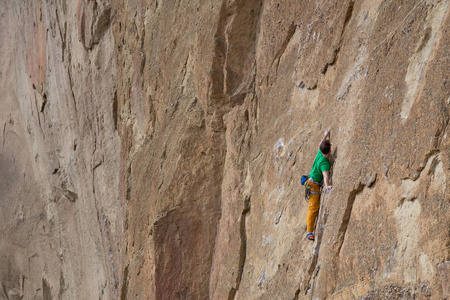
x=308 y=191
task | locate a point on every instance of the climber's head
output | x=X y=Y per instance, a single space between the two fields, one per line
x=325 y=147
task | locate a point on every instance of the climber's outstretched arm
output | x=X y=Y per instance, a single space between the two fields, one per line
x=325 y=135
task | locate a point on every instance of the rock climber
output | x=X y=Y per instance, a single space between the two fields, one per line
x=320 y=172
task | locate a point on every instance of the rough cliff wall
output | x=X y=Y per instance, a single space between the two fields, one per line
x=59 y=156
x=154 y=149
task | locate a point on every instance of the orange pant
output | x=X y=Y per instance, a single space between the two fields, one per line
x=313 y=207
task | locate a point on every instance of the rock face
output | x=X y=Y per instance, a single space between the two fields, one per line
x=154 y=149
x=59 y=159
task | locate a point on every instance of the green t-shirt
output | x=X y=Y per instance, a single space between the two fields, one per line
x=321 y=164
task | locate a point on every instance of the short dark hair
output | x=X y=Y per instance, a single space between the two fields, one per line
x=325 y=147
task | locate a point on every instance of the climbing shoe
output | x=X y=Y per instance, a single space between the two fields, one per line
x=310 y=236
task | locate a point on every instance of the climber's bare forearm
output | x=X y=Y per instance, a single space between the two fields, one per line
x=326 y=178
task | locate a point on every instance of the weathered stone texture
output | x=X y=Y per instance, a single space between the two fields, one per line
x=59 y=158
x=153 y=149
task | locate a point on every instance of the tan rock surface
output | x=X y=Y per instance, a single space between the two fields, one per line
x=59 y=162
x=154 y=149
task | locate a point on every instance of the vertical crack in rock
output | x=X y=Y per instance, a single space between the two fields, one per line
x=124 y=196
x=62 y=34
x=46 y=290
x=218 y=66
x=279 y=54
x=348 y=16
x=184 y=72
x=124 y=285
x=69 y=74
x=37 y=113
x=44 y=102
x=290 y=34
x=3 y=291
x=297 y=293
x=243 y=248
x=103 y=20
x=346 y=217
x=247 y=200
x=115 y=110
x=232 y=80
x=81 y=21
x=93 y=14
x=93 y=22
x=234 y=52
x=344 y=225
x=4 y=134
x=442 y=130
